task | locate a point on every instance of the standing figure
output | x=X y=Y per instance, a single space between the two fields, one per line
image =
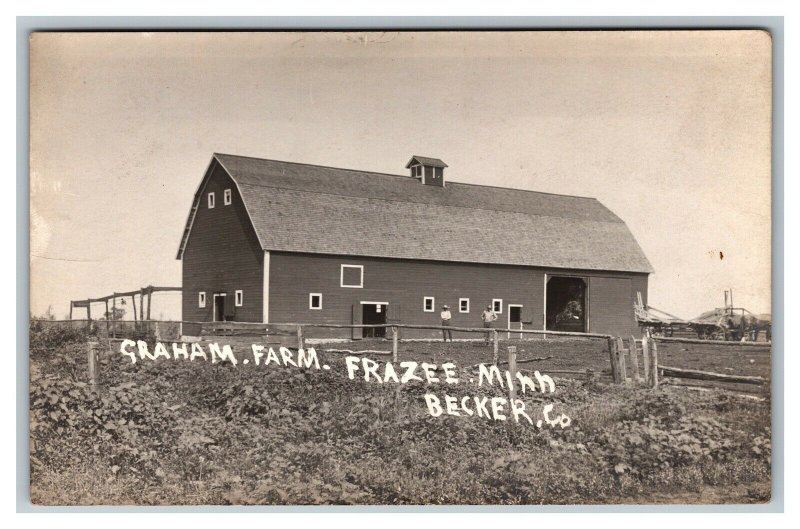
x=488 y=316
x=446 y=317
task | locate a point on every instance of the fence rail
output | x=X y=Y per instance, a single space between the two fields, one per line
x=665 y=339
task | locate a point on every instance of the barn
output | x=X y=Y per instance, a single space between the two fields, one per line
x=277 y=242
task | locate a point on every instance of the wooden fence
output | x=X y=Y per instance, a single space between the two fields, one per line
x=625 y=362
x=637 y=363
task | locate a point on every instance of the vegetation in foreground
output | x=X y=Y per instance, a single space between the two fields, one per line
x=174 y=432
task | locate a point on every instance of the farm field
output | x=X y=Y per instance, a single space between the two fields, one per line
x=179 y=432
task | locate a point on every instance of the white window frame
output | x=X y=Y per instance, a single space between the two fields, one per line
x=226 y=197
x=494 y=302
x=459 y=305
x=425 y=304
x=311 y=301
x=238 y=298
x=201 y=300
x=341 y=276
x=212 y=200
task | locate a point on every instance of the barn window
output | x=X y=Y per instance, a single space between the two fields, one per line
x=351 y=276
x=227 y=197
x=210 y=200
x=315 y=301
x=428 y=304
x=239 y=298
x=201 y=300
x=497 y=306
x=463 y=304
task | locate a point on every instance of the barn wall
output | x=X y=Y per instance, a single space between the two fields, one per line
x=222 y=255
x=404 y=283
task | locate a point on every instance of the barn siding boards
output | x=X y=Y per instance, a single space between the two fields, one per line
x=222 y=254
x=404 y=284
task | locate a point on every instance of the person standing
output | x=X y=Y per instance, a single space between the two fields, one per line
x=488 y=316
x=446 y=317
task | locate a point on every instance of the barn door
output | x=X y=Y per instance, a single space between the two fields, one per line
x=393 y=315
x=611 y=306
x=527 y=315
x=230 y=310
x=356 y=332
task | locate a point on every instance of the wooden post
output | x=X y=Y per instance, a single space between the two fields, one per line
x=89 y=309
x=300 y=344
x=70 y=311
x=654 y=365
x=91 y=354
x=646 y=357
x=114 y=315
x=512 y=369
x=495 y=346
x=108 y=332
x=623 y=371
x=157 y=333
x=394 y=345
x=612 y=346
x=149 y=300
x=133 y=302
x=634 y=359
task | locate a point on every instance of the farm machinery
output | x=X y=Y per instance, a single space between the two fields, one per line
x=728 y=323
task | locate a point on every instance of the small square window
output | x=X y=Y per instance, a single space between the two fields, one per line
x=463 y=304
x=351 y=276
x=315 y=301
x=497 y=306
x=226 y=197
x=239 y=298
x=211 y=200
x=201 y=300
x=428 y=304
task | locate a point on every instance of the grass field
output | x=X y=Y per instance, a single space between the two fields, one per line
x=180 y=432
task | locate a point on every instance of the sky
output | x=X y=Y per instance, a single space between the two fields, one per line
x=670 y=130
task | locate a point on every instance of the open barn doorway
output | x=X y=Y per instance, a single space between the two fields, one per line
x=374 y=314
x=566 y=304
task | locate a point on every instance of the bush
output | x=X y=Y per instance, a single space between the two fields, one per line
x=47 y=335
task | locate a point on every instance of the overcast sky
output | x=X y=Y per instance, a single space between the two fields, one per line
x=670 y=130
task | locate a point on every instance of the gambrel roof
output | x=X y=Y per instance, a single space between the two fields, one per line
x=304 y=208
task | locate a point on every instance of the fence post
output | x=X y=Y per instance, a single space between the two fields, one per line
x=623 y=369
x=634 y=359
x=495 y=345
x=654 y=365
x=300 y=344
x=91 y=354
x=394 y=344
x=512 y=369
x=646 y=357
x=612 y=345
x=157 y=333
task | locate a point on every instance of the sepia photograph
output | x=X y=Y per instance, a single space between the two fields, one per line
x=385 y=268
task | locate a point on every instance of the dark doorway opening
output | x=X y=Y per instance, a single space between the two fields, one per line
x=514 y=319
x=374 y=314
x=219 y=307
x=566 y=304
